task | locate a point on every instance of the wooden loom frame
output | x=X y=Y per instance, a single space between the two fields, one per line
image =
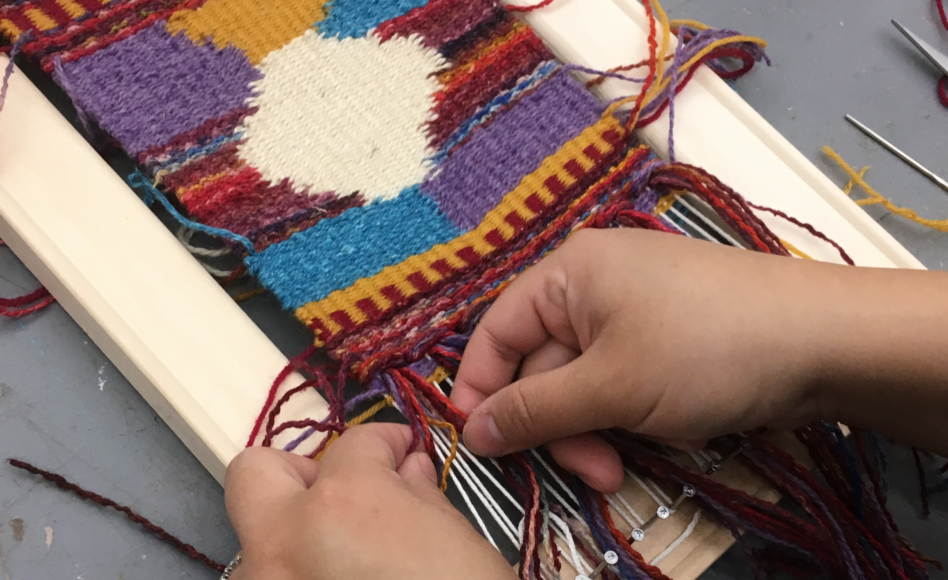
x=204 y=366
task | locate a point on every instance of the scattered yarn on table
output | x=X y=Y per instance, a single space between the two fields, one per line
x=386 y=169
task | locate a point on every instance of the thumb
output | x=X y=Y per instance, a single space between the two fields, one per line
x=540 y=408
x=418 y=472
x=258 y=481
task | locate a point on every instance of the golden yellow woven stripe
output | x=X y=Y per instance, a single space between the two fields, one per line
x=40 y=19
x=10 y=30
x=72 y=9
x=514 y=202
x=256 y=27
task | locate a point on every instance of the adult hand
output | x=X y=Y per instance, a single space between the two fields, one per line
x=681 y=341
x=368 y=509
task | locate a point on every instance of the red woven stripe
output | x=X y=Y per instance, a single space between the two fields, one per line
x=534 y=203
x=369 y=307
x=442 y=267
x=494 y=238
x=54 y=11
x=393 y=294
x=516 y=220
x=417 y=280
x=575 y=169
x=342 y=319
x=468 y=254
x=555 y=186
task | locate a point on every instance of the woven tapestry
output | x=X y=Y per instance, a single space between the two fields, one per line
x=385 y=168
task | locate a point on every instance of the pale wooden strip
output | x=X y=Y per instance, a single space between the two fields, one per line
x=165 y=323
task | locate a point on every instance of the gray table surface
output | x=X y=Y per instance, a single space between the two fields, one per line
x=64 y=406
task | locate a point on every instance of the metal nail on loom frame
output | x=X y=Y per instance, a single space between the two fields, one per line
x=610 y=558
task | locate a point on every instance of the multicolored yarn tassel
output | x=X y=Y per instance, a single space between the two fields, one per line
x=386 y=169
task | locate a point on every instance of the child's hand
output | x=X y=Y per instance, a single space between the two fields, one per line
x=367 y=510
x=681 y=341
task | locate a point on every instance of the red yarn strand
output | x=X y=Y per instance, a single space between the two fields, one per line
x=291 y=366
x=23 y=305
x=531 y=8
x=940 y=4
x=95 y=498
x=809 y=228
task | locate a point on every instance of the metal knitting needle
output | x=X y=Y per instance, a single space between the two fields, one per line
x=898 y=153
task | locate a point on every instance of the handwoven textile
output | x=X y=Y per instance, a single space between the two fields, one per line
x=385 y=168
x=380 y=156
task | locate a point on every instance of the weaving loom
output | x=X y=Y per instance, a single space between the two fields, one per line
x=208 y=382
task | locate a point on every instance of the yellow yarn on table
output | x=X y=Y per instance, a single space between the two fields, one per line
x=876 y=198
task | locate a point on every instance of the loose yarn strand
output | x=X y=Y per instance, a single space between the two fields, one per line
x=27 y=304
x=876 y=198
x=531 y=8
x=62 y=483
x=137 y=180
x=11 y=66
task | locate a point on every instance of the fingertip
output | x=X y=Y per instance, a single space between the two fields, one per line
x=483 y=437
x=592 y=459
x=465 y=397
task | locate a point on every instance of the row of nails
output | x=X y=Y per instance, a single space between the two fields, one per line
x=610 y=558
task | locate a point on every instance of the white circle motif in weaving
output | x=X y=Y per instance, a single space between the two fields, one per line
x=344 y=115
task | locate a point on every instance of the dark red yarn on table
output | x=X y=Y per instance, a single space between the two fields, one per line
x=95 y=498
x=23 y=305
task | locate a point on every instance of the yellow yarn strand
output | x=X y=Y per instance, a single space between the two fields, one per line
x=666 y=202
x=876 y=198
x=454 y=450
x=370 y=412
x=795 y=250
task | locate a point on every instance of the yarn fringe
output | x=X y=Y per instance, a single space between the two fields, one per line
x=846 y=532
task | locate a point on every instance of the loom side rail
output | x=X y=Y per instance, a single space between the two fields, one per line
x=174 y=333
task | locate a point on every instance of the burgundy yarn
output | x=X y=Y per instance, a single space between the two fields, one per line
x=940 y=4
x=531 y=8
x=813 y=231
x=24 y=305
x=95 y=498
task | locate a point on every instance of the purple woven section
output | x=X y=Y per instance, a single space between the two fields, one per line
x=498 y=156
x=148 y=71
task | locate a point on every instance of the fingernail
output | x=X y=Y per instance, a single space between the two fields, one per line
x=482 y=436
